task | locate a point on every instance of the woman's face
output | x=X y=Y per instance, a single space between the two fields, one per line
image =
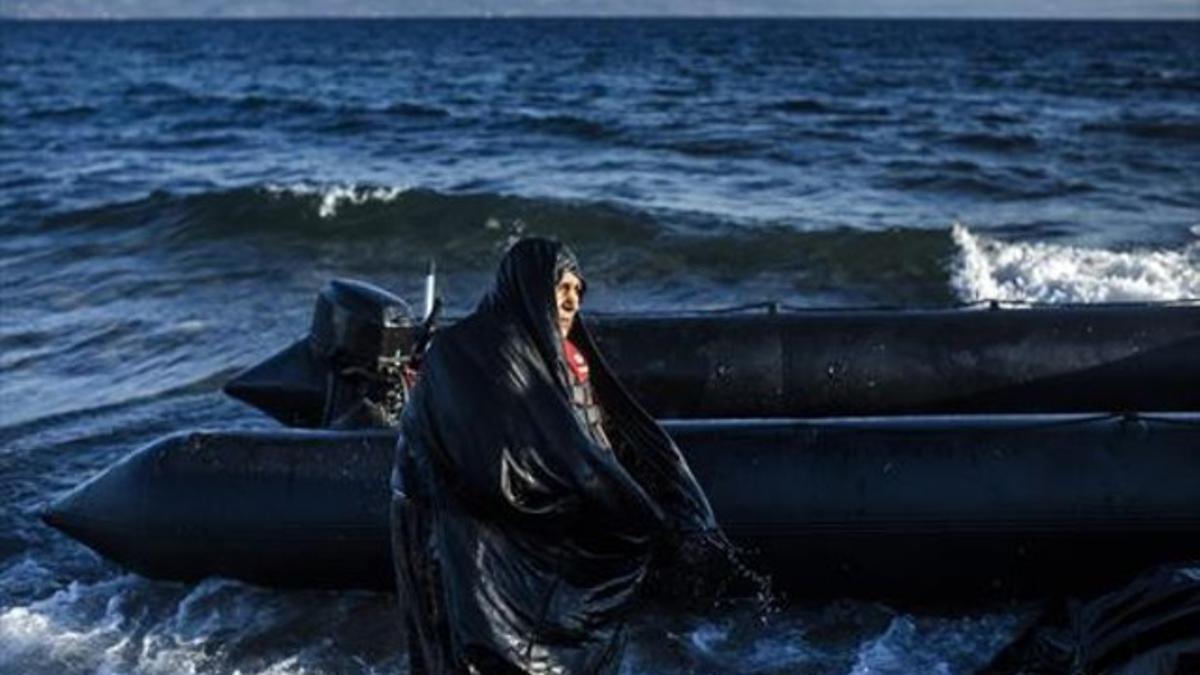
x=568 y=296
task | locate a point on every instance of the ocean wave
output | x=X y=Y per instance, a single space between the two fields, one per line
x=995 y=142
x=392 y=226
x=88 y=396
x=36 y=636
x=842 y=637
x=930 y=645
x=793 y=155
x=801 y=105
x=125 y=624
x=677 y=258
x=187 y=109
x=397 y=228
x=353 y=125
x=813 y=106
x=195 y=139
x=154 y=89
x=574 y=126
x=408 y=109
x=945 y=166
x=1179 y=129
x=68 y=112
x=773 y=262
x=659 y=256
x=962 y=177
x=257 y=103
x=716 y=146
x=990 y=269
x=354 y=121
x=333 y=197
x=999 y=117
x=1175 y=81
x=453 y=223
x=32 y=347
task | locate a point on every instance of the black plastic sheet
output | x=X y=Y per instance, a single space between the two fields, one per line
x=1149 y=627
x=521 y=544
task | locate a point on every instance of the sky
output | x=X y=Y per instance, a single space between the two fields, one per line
x=117 y=9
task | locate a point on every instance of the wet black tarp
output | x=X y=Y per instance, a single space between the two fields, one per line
x=520 y=544
x=1148 y=627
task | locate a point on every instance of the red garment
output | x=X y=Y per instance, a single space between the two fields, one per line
x=575 y=361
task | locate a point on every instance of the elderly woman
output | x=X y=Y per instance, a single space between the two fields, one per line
x=531 y=493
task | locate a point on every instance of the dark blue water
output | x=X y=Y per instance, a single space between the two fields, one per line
x=173 y=194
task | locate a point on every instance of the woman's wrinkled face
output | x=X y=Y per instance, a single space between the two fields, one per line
x=568 y=295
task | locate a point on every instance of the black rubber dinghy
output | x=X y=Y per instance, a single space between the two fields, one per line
x=916 y=509
x=804 y=363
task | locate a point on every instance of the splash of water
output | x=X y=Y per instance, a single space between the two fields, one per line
x=334 y=197
x=126 y=625
x=990 y=269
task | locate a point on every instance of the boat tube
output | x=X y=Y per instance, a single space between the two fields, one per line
x=769 y=363
x=925 y=509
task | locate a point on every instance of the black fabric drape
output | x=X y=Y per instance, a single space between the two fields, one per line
x=519 y=543
x=1150 y=626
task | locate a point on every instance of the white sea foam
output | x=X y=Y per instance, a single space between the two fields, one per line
x=989 y=269
x=937 y=646
x=126 y=625
x=129 y=626
x=26 y=576
x=334 y=197
x=841 y=637
x=44 y=633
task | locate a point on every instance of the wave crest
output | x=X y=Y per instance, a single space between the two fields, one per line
x=989 y=269
x=389 y=224
x=333 y=197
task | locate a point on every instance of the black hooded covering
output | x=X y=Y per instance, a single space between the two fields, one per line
x=520 y=544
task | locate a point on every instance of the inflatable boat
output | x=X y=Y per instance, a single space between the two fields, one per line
x=914 y=509
x=766 y=361
x=929 y=456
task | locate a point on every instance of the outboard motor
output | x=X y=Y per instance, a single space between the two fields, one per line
x=367 y=337
x=353 y=370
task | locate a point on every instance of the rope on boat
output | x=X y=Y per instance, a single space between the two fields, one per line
x=773 y=307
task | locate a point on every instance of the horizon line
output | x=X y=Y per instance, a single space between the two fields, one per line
x=653 y=17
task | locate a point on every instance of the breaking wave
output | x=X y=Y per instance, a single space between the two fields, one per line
x=125 y=624
x=332 y=197
x=698 y=259
x=340 y=212
x=990 y=269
